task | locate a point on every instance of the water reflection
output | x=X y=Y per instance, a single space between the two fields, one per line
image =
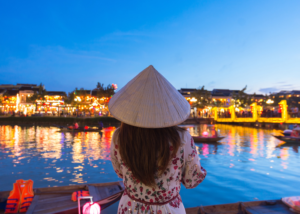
x=257 y=142
x=246 y=160
x=51 y=157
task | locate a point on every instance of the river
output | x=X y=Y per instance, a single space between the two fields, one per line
x=248 y=165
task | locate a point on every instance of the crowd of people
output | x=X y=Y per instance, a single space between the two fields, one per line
x=203 y=114
x=224 y=114
x=246 y=113
x=294 y=112
x=271 y=113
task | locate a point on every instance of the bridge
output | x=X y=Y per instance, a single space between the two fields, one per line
x=256 y=116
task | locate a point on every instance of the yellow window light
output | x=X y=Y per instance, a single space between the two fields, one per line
x=193 y=99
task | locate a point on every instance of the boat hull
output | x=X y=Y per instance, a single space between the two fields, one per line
x=288 y=139
x=80 y=130
x=207 y=139
x=252 y=207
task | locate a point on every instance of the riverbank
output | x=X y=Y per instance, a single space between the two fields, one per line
x=111 y=121
x=62 y=121
x=92 y=121
x=279 y=126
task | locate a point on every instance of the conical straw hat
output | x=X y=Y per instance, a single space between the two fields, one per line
x=149 y=101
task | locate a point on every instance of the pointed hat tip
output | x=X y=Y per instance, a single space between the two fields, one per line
x=150 y=68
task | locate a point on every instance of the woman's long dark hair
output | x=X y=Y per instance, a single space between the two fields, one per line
x=148 y=151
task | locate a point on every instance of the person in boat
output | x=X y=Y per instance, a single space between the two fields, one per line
x=296 y=132
x=149 y=151
x=100 y=125
x=214 y=133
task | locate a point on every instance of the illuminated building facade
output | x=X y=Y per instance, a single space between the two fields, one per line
x=53 y=104
x=28 y=99
x=292 y=97
x=14 y=98
x=201 y=106
x=99 y=104
x=26 y=106
x=9 y=101
x=90 y=102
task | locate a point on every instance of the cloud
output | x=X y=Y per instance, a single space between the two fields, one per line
x=225 y=68
x=210 y=85
x=268 y=90
x=277 y=88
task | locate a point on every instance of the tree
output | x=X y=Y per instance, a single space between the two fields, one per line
x=38 y=95
x=241 y=98
x=4 y=96
x=104 y=91
x=70 y=98
x=202 y=96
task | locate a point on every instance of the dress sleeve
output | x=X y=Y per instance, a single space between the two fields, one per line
x=192 y=172
x=115 y=155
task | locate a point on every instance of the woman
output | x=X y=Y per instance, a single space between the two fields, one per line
x=149 y=152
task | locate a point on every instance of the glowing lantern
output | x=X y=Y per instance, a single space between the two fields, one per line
x=193 y=99
x=89 y=207
x=205 y=134
x=115 y=87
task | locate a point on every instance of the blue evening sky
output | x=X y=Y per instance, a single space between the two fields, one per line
x=216 y=43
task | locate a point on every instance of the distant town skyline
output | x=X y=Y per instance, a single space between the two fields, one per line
x=218 y=44
x=17 y=86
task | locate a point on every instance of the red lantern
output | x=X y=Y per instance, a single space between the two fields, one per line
x=89 y=207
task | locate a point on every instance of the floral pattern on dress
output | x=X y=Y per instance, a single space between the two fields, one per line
x=176 y=202
x=184 y=167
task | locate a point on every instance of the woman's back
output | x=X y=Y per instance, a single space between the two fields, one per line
x=184 y=167
x=149 y=152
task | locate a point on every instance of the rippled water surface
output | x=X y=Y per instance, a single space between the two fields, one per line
x=249 y=164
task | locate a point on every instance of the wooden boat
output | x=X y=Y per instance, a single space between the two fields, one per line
x=252 y=207
x=287 y=139
x=58 y=199
x=207 y=139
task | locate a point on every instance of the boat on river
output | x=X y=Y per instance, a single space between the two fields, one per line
x=58 y=199
x=209 y=135
x=290 y=136
x=66 y=129
x=207 y=139
x=288 y=139
x=252 y=207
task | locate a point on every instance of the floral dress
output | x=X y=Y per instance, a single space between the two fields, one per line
x=183 y=168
